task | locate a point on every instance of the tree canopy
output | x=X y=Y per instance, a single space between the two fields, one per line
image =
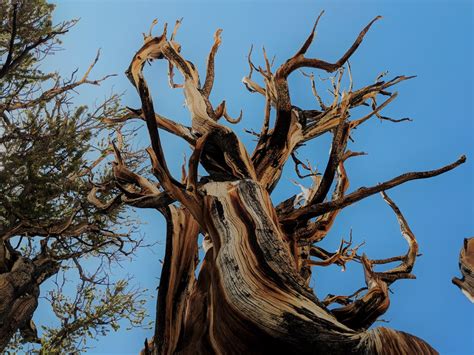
x=49 y=227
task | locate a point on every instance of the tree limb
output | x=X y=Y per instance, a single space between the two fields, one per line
x=308 y=212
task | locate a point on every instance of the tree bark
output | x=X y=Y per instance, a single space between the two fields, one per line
x=466 y=266
x=19 y=293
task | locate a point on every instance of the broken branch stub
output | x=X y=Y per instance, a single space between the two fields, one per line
x=466 y=266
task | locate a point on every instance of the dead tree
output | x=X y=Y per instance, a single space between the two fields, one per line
x=252 y=292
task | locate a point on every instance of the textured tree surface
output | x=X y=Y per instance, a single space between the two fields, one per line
x=466 y=265
x=252 y=291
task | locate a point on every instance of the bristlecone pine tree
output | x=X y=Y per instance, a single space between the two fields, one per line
x=49 y=220
x=252 y=294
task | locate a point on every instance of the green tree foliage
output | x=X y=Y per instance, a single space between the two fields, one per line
x=51 y=225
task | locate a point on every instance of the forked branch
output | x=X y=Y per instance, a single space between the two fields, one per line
x=299 y=60
x=307 y=212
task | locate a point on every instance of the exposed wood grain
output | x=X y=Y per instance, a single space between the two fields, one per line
x=466 y=265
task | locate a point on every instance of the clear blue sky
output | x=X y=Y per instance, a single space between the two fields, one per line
x=432 y=39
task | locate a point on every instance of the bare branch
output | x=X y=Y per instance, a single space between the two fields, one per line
x=344 y=300
x=194 y=163
x=358 y=122
x=310 y=38
x=156 y=201
x=209 y=82
x=308 y=212
x=409 y=259
x=104 y=207
x=339 y=142
x=363 y=312
x=343 y=254
x=299 y=61
x=163 y=122
x=315 y=92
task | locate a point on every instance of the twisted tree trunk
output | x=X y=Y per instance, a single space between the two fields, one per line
x=20 y=280
x=249 y=298
x=252 y=293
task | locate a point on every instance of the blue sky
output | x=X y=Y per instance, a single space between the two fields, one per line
x=430 y=39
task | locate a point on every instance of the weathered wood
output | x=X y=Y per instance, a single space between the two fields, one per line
x=19 y=293
x=177 y=278
x=257 y=302
x=466 y=265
